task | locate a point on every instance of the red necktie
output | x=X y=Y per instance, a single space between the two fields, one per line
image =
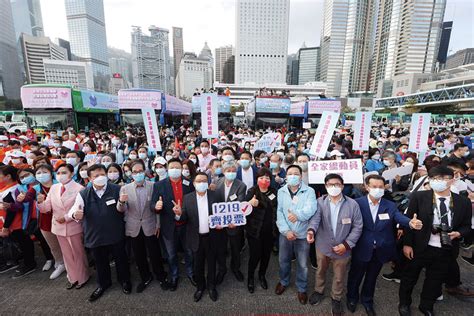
x=63 y=189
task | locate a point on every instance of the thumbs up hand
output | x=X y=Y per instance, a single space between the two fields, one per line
x=254 y=201
x=40 y=198
x=292 y=217
x=415 y=223
x=159 y=204
x=177 y=208
x=79 y=214
x=123 y=198
x=21 y=197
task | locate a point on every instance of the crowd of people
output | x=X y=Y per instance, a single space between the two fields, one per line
x=103 y=198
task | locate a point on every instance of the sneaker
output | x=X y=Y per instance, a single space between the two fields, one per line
x=440 y=298
x=336 y=309
x=57 y=272
x=391 y=277
x=48 y=265
x=24 y=271
x=7 y=267
x=469 y=261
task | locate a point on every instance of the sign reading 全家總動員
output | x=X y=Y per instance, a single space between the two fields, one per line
x=350 y=170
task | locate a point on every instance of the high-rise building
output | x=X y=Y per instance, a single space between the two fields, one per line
x=10 y=70
x=66 y=45
x=119 y=66
x=86 y=26
x=407 y=38
x=77 y=74
x=459 y=58
x=117 y=83
x=444 y=44
x=178 y=48
x=151 y=59
x=289 y=67
x=35 y=49
x=194 y=73
x=333 y=41
x=27 y=17
x=261 y=41
x=229 y=70
x=222 y=56
x=308 y=65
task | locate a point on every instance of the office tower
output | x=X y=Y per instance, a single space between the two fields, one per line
x=194 y=73
x=88 y=38
x=77 y=74
x=119 y=66
x=178 y=48
x=261 y=41
x=459 y=58
x=66 y=45
x=229 y=70
x=444 y=44
x=151 y=59
x=10 y=70
x=308 y=64
x=222 y=56
x=35 y=49
x=27 y=17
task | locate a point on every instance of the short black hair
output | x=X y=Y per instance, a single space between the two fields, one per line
x=204 y=141
x=47 y=167
x=440 y=171
x=200 y=173
x=374 y=177
x=333 y=176
x=229 y=148
x=11 y=171
x=137 y=162
x=294 y=166
x=264 y=172
x=67 y=166
x=301 y=154
x=173 y=160
x=459 y=146
x=94 y=168
x=247 y=153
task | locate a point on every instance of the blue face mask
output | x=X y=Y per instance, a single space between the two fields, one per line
x=293 y=180
x=273 y=165
x=139 y=177
x=201 y=186
x=28 y=180
x=244 y=163
x=174 y=173
x=218 y=171
x=230 y=176
x=43 y=178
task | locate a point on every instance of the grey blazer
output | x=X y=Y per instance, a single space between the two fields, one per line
x=237 y=192
x=136 y=218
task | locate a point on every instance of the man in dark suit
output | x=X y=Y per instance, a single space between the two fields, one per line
x=247 y=173
x=376 y=245
x=168 y=194
x=229 y=189
x=203 y=241
x=446 y=218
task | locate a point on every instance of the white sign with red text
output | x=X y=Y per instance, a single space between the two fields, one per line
x=268 y=142
x=420 y=128
x=349 y=169
x=151 y=128
x=209 y=115
x=326 y=127
x=361 y=130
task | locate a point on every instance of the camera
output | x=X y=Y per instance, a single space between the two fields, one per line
x=443 y=229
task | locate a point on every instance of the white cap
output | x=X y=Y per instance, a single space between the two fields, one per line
x=160 y=160
x=3 y=138
x=335 y=152
x=16 y=153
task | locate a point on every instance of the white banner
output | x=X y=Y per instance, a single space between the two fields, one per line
x=268 y=142
x=326 y=127
x=209 y=115
x=151 y=128
x=361 y=130
x=420 y=128
x=349 y=169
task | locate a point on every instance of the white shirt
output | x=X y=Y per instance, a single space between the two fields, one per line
x=374 y=208
x=435 y=240
x=79 y=202
x=335 y=208
x=247 y=177
x=204 y=161
x=203 y=212
x=70 y=144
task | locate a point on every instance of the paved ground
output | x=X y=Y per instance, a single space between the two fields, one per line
x=36 y=294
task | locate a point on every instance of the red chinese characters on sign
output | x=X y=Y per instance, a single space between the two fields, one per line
x=418 y=133
x=209 y=115
x=150 y=128
x=361 y=137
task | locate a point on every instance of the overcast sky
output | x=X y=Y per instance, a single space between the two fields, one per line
x=214 y=21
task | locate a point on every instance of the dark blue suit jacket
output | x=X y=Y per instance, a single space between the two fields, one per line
x=255 y=170
x=381 y=231
x=164 y=190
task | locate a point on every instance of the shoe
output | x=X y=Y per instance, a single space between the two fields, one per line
x=70 y=285
x=48 y=265
x=440 y=298
x=279 y=289
x=314 y=265
x=263 y=282
x=173 y=285
x=98 y=292
x=370 y=311
x=467 y=260
x=426 y=312
x=302 y=298
x=316 y=298
x=213 y=295
x=336 y=309
x=7 y=267
x=191 y=279
x=275 y=250
x=391 y=277
x=466 y=246
x=198 y=295
x=24 y=271
x=57 y=272
x=127 y=287
x=220 y=278
x=351 y=306
x=251 y=285
x=238 y=275
x=404 y=310
x=80 y=286
x=459 y=291
x=142 y=285
x=164 y=284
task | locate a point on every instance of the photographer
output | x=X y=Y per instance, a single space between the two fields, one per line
x=446 y=218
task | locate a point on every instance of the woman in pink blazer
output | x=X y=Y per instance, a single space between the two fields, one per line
x=59 y=201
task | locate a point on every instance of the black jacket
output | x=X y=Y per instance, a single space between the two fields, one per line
x=256 y=218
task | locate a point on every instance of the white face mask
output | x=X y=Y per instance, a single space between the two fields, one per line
x=376 y=193
x=186 y=173
x=113 y=176
x=132 y=156
x=334 y=191
x=142 y=155
x=193 y=160
x=204 y=150
x=62 y=178
x=71 y=161
x=100 y=181
x=83 y=174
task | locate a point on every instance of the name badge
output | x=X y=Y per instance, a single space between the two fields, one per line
x=384 y=216
x=233 y=197
x=272 y=197
x=295 y=200
x=186 y=182
x=110 y=202
x=346 y=221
